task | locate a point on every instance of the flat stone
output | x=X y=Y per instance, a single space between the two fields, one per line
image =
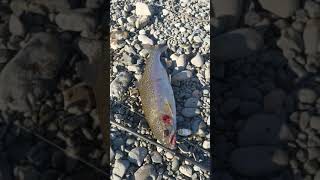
x=307 y=95
x=228 y=12
x=120 y=167
x=16 y=27
x=143 y=9
x=315 y=122
x=186 y=170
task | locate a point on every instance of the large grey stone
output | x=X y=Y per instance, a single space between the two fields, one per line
x=284 y=8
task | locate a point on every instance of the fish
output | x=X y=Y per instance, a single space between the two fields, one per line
x=157 y=98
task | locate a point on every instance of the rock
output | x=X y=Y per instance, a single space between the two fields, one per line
x=38 y=155
x=142 y=9
x=259 y=161
x=186 y=170
x=304 y=120
x=181 y=61
x=18 y=7
x=77 y=20
x=281 y=157
x=311 y=36
x=190 y=112
x=91 y=48
x=317 y=176
x=184 y=132
x=197 y=60
x=27 y=78
x=306 y=95
x=181 y=76
x=80 y=96
x=192 y=102
x=146 y=172
x=311 y=166
x=313 y=8
x=284 y=9
x=16 y=27
x=313 y=153
x=169 y=155
x=142 y=21
x=261 y=129
x=144 y=39
x=228 y=12
x=120 y=167
x=237 y=44
x=120 y=84
x=137 y=155
x=175 y=164
x=206 y=144
x=156 y=157
x=315 y=122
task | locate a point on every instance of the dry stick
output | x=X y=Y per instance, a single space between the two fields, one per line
x=74 y=156
x=159 y=145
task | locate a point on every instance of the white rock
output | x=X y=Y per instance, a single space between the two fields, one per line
x=174 y=57
x=168 y=155
x=206 y=144
x=142 y=9
x=186 y=170
x=181 y=61
x=197 y=60
x=184 y=132
x=144 y=39
x=165 y=12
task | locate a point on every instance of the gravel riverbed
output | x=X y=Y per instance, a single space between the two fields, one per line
x=185 y=27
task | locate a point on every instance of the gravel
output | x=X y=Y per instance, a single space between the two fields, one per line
x=187 y=60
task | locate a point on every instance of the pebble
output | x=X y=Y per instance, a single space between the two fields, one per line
x=120 y=84
x=146 y=172
x=311 y=36
x=120 y=167
x=181 y=61
x=190 y=112
x=236 y=44
x=111 y=154
x=175 y=164
x=286 y=9
x=197 y=60
x=169 y=155
x=156 y=157
x=143 y=9
x=145 y=40
x=184 y=132
x=227 y=8
x=311 y=166
x=306 y=95
x=313 y=153
x=186 y=170
x=315 y=122
x=313 y=8
x=182 y=75
x=137 y=155
x=192 y=103
x=206 y=144
x=16 y=27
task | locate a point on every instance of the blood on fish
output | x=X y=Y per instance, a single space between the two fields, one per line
x=166 y=119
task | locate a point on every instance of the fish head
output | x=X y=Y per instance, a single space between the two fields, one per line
x=168 y=130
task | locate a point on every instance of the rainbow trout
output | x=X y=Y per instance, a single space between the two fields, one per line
x=157 y=98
